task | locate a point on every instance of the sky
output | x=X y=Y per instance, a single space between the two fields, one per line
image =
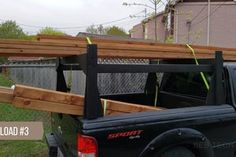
x=72 y=16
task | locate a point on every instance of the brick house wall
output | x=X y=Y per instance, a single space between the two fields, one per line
x=191 y=18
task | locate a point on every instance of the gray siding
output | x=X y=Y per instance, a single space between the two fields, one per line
x=222 y=23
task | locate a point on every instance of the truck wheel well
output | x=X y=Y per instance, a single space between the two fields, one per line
x=186 y=137
x=181 y=149
x=177 y=151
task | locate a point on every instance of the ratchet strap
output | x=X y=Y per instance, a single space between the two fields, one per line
x=88 y=40
x=196 y=61
x=104 y=107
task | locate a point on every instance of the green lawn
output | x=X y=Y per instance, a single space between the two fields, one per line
x=4 y=81
x=22 y=148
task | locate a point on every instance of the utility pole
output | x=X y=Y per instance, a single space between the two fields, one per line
x=208 y=22
x=155 y=3
x=145 y=13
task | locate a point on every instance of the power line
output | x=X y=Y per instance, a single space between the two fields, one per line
x=203 y=8
x=75 y=27
x=220 y=5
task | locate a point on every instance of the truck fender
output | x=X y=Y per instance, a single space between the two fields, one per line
x=177 y=137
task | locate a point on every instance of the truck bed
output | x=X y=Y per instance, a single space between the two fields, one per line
x=111 y=132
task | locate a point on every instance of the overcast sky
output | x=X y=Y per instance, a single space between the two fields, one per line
x=31 y=15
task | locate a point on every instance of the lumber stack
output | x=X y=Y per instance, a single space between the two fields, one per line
x=146 y=49
x=60 y=46
x=60 y=102
x=37 y=49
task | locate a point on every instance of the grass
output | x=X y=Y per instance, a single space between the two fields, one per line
x=22 y=148
x=4 y=81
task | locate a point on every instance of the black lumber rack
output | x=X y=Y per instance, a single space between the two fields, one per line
x=88 y=63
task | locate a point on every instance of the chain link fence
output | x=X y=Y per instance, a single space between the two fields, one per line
x=121 y=83
x=9 y=113
x=38 y=74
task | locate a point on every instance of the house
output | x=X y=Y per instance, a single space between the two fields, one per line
x=146 y=29
x=204 y=23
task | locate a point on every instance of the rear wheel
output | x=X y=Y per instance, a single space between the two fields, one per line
x=178 y=152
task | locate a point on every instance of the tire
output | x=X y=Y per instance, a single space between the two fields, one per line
x=178 y=152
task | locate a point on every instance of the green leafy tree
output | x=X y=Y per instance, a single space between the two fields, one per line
x=116 y=31
x=169 y=39
x=51 y=31
x=10 y=30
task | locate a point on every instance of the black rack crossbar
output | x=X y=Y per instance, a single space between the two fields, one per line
x=88 y=62
x=130 y=68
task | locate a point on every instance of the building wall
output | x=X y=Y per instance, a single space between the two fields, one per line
x=146 y=30
x=160 y=29
x=137 y=31
x=222 y=23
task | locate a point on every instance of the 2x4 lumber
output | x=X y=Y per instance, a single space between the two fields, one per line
x=35 y=48
x=53 y=101
x=106 y=49
x=47 y=106
x=47 y=95
x=39 y=95
x=128 y=107
x=112 y=54
x=37 y=53
x=96 y=40
x=6 y=95
x=204 y=52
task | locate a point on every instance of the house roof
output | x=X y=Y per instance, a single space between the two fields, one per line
x=149 y=18
x=153 y=16
x=174 y=2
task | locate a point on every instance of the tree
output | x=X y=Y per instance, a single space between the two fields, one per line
x=92 y=29
x=101 y=29
x=50 y=31
x=116 y=31
x=10 y=30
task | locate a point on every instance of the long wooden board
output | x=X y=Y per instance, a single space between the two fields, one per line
x=73 y=99
x=48 y=46
x=47 y=106
x=6 y=95
x=53 y=101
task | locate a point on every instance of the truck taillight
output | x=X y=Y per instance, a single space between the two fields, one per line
x=87 y=146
